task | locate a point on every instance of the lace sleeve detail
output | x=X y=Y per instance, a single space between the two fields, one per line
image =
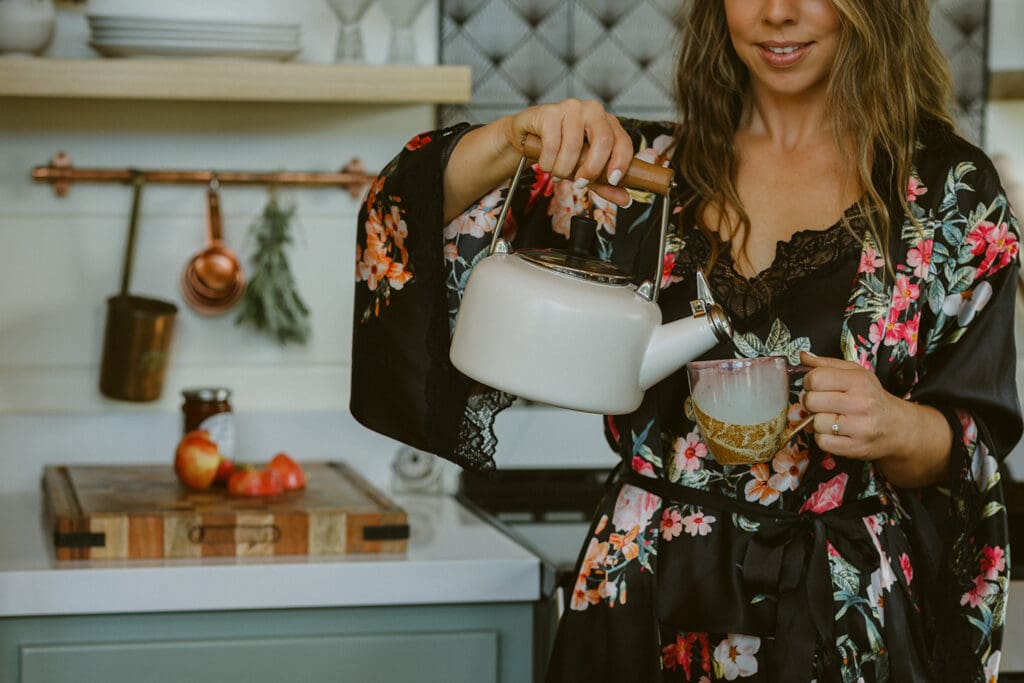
x=476 y=443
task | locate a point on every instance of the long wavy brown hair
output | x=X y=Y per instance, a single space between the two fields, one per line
x=889 y=80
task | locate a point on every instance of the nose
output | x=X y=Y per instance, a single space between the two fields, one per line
x=780 y=12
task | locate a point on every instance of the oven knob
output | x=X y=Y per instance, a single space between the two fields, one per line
x=414 y=471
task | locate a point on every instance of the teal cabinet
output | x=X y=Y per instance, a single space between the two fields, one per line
x=430 y=644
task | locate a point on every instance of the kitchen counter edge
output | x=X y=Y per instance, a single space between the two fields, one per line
x=453 y=557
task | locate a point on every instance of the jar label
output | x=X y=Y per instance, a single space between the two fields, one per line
x=222 y=430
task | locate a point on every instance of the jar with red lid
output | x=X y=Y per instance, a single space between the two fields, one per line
x=209 y=408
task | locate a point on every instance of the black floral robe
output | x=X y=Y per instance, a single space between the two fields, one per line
x=673 y=588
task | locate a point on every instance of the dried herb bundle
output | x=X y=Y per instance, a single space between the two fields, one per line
x=271 y=302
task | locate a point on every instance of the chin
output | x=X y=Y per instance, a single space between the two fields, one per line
x=791 y=85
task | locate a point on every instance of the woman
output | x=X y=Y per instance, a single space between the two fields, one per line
x=842 y=224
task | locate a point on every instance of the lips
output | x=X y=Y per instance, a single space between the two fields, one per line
x=783 y=55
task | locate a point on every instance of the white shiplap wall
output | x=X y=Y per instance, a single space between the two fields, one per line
x=60 y=259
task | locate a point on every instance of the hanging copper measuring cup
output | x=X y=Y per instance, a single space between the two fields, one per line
x=138 y=331
x=213 y=281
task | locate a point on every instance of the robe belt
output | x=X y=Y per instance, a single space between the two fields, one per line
x=787 y=557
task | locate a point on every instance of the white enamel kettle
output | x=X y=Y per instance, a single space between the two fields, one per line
x=569 y=330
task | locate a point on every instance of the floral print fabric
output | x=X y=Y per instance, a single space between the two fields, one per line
x=935 y=328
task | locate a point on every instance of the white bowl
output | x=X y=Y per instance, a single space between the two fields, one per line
x=26 y=26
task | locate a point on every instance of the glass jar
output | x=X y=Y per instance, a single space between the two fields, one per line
x=209 y=408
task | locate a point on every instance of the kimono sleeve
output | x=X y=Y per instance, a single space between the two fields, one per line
x=410 y=272
x=968 y=370
x=968 y=373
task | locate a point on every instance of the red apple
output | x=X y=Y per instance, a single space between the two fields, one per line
x=253 y=482
x=292 y=476
x=196 y=460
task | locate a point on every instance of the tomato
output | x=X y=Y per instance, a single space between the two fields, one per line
x=292 y=476
x=254 y=482
x=225 y=468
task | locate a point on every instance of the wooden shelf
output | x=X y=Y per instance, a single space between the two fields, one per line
x=231 y=80
x=1006 y=85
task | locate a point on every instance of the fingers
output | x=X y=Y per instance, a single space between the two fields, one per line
x=832 y=374
x=609 y=154
x=600 y=135
x=843 y=435
x=826 y=402
x=815 y=361
x=580 y=141
x=570 y=150
x=832 y=379
x=855 y=403
x=823 y=422
x=548 y=127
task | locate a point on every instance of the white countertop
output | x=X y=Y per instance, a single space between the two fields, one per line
x=453 y=557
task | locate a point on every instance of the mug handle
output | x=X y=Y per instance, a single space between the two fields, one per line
x=796 y=430
x=803 y=423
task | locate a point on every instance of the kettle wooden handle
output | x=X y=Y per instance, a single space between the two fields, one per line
x=640 y=175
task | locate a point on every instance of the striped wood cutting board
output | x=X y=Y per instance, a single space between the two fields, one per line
x=141 y=511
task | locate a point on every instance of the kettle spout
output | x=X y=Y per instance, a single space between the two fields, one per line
x=677 y=343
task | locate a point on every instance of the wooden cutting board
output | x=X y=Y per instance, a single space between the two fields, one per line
x=142 y=511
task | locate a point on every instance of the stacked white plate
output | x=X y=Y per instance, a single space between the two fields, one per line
x=132 y=36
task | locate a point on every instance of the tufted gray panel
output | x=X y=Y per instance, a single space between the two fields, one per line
x=961 y=27
x=622 y=52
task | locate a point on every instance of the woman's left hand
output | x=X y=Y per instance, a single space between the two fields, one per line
x=843 y=393
x=909 y=442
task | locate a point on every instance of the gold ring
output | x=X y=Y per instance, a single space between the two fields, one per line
x=835 y=427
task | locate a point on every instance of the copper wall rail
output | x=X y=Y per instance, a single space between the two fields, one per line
x=60 y=173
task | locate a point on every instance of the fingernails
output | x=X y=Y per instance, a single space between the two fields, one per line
x=614 y=177
x=556 y=179
x=629 y=203
x=581 y=183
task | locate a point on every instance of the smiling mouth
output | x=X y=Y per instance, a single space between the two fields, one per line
x=783 y=54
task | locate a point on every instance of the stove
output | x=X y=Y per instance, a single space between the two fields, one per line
x=549 y=512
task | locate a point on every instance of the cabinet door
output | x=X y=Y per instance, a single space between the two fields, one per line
x=452 y=657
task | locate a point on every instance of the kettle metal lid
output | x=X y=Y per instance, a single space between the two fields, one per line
x=577 y=261
x=585 y=268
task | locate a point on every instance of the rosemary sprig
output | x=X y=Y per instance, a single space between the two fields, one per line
x=270 y=302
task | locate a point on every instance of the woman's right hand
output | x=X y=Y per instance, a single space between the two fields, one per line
x=580 y=141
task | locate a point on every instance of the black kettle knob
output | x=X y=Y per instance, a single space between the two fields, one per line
x=581 y=235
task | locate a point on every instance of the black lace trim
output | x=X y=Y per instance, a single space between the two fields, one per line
x=476 y=441
x=807 y=254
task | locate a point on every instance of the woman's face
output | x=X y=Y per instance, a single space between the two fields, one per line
x=788 y=46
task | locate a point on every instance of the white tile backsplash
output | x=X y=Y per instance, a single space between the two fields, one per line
x=62 y=257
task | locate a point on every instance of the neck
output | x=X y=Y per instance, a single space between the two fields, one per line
x=787 y=122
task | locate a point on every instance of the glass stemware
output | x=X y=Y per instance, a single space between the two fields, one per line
x=402 y=13
x=350 y=38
